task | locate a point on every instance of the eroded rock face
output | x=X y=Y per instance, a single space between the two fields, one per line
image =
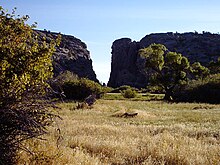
x=196 y=47
x=71 y=55
x=127 y=67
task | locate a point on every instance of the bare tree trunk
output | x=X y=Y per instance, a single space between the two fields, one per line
x=168 y=94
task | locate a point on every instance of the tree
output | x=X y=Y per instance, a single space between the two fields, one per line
x=199 y=71
x=167 y=69
x=25 y=67
x=215 y=66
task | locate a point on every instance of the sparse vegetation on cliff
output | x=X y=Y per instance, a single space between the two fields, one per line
x=128 y=68
x=71 y=55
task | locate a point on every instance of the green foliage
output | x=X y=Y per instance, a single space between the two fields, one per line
x=215 y=66
x=207 y=90
x=122 y=88
x=154 y=55
x=106 y=89
x=24 y=63
x=129 y=93
x=139 y=97
x=199 y=71
x=68 y=85
x=168 y=69
x=57 y=82
x=154 y=89
x=25 y=67
x=113 y=96
x=66 y=76
x=81 y=88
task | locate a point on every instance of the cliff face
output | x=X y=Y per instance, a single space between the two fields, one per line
x=127 y=67
x=71 y=55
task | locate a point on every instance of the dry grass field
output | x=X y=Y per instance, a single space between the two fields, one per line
x=161 y=133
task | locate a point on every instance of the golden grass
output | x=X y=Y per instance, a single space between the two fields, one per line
x=162 y=133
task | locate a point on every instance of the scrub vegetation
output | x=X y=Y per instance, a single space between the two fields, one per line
x=161 y=133
x=125 y=126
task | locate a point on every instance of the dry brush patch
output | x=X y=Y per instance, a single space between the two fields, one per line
x=161 y=133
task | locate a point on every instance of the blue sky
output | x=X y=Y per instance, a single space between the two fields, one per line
x=99 y=22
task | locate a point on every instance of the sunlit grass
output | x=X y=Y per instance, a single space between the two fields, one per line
x=139 y=97
x=162 y=133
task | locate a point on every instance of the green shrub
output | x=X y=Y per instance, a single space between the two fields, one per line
x=66 y=76
x=129 y=93
x=68 y=85
x=57 y=82
x=155 y=89
x=79 y=89
x=122 y=88
x=107 y=89
x=214 y=66
x=207 y=91
x=25 y=67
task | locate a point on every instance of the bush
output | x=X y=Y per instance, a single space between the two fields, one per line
x=129 y=93
x=207 y=91
x=155 y=89
x=107 y=89
x=57 y=82
x=81 y=88
x=68 y=85
x=121 y=88
x=25 y=67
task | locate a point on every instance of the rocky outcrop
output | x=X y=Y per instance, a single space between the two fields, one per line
x=71 y=55
x=126 y=64
x=127 y=67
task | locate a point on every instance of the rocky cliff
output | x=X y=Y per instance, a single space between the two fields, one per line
x=127 y=67
x=71 y=55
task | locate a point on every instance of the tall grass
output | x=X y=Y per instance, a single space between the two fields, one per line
x=161 y=133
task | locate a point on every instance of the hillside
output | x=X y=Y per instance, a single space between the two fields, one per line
x=127 y=67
